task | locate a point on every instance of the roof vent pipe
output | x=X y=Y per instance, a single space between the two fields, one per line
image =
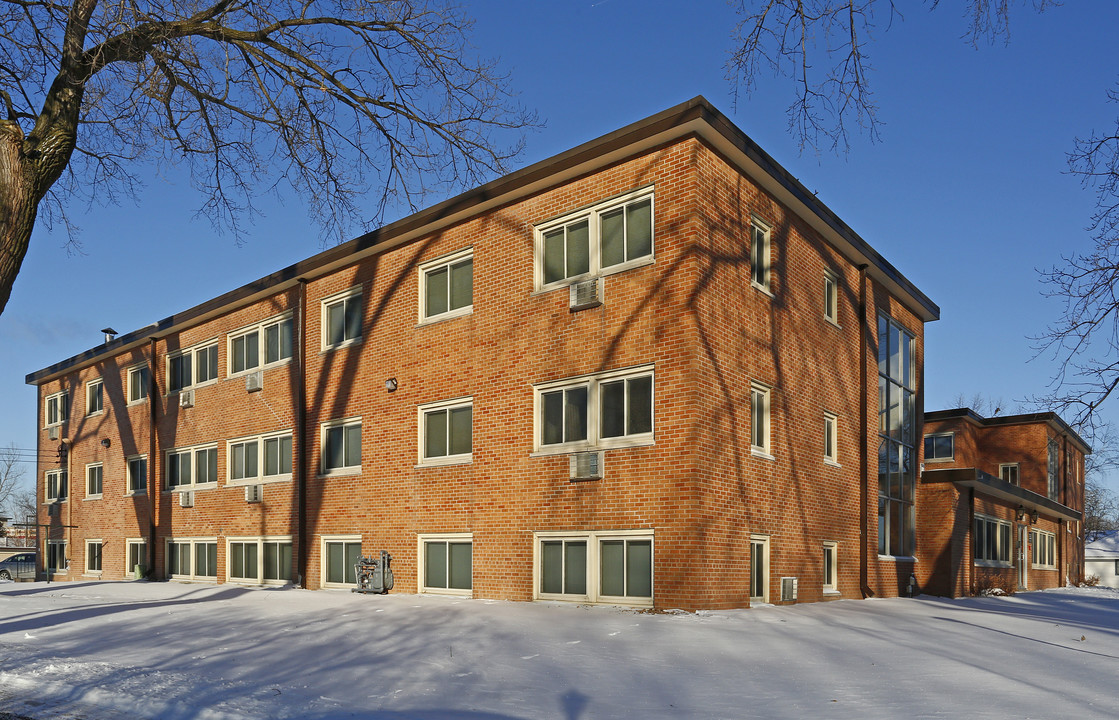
x=109 y=334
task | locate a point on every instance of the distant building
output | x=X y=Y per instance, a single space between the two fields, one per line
x=1000 y=503
x=1101 y=558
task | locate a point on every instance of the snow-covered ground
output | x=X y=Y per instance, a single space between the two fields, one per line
x=172 y=651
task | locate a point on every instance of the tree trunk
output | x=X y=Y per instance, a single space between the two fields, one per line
x=18 y=207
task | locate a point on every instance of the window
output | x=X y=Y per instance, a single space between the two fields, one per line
x=57 y=409
x=138 y=380
x=94 y=476
x=447 y=286
x=192 y=559
x=341 y=446
x=940 y=447
x=138 y=474
x=616 y=567
x=260 y=459
x=831 y=441
x=1043 y=549
x=609 y=237
x=187 y=467
x=897 y=422
x=759 y=569
x=265 y=344
x=57 y=486
x=93 y=557
x=342 y=319
x=830 y=569
x=991 y=541
x=260 y=560
x=94 y=397
x=136 y=556
x=446 y=563
x=1009 y=473
x=831 y=297
x=446 y=432
x=612 y=409
x=189 y=368
x=340 y=560
x=56 y=557
x=759 y=254
x=1053 y=469
x=759 y=420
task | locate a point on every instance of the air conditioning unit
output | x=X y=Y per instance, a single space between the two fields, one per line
x=52 y=510
x=254 y=493
x=254 y=381
x=586 y=465
x=186 y=398
x=586 y=294
x=788 y=589
x=186 y=499
x=52 y=432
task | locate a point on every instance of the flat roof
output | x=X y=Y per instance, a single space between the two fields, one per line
x=1050 y=418
x=696 y=117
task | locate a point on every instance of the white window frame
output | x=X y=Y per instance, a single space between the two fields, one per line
x=951 y=436
x=260 y=329
x=61 y=409
x=194 y=542
x=831 y=297
x=830 y=580
x=1003 y=467
x=1000 y=536
x=325 y=471
x=758 y=540
x=101 y=480
x=56 y=485
x=52 y=549
x=1038 y=552
x=761 y=242
x=129 y=486
x=259 y=541
x=593 y=215
x=425 y=270
x=193 y=351
x=331 y=300
x=94 y=572
x=130 y=543
x=261 y=443
x=323 y=542
x=421 y=562
x=594 y=539
x=94 y=389
x=193 y=483
x=135 y=382
x=761 y=444
x=594 y=383
x=831 y=438
x=422 y=413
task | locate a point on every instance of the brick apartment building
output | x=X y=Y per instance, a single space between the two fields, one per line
x=1001 y=503
x=653 y=370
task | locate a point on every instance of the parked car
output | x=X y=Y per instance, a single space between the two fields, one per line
x=20 y=565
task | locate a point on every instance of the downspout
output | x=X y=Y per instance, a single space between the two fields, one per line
x=40 y=491
x=301 y=438
x=969 y=543
x=864 y=439
x=153 y=397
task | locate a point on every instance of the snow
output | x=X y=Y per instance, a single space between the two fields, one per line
x=101 y=650
x=1105 y=546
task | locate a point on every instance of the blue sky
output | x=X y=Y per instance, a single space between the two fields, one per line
x=966 y=193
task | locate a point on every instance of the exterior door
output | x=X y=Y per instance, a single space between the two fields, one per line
x=1023 y=557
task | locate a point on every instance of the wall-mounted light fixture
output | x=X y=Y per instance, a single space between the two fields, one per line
x=1021 y=512
x=390 y=385
x=106 y=443
x=1033 y=517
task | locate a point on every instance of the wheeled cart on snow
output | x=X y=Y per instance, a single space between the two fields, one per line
x=373 y=575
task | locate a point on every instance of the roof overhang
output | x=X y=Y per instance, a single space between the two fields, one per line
x=1000 y=489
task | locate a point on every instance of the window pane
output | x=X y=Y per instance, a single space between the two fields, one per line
x=435 y=564
x=353 y=552
x=237 y=560
x=437 y=291
x=207 y=363
x=334 y=450
x=252 y=350
x=277 y=561
x=335 y=323
x=353 y=318
x=552 y=404
x=461 y=563
x=462 y=284
x=895 y=529
x=554 y=262
x=612 y=238
x=575 y=414
x=252 y=459
x=272 y=456
x=184 y=468
x=613 y=408
x=251 y=568
x=575 y=568
x=353 y=445
x=640 y=405
x=285 y=455
x=435 y=434
x=237 y=461
x=578 y=248
x=757 y=570
x=639 y=568
x=551 y=567
x=460 y=430
x=639 y=229
x=613 y=567
x=335 y=560
x=238 y=354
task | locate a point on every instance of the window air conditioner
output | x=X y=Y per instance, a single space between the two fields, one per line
x=586 y=294
x=254 y=493
x=186 y=398
x=52 y=510
x=788 y=589
x=186 y=499
x=254 y=381
x=52 y=432
x=586 y=466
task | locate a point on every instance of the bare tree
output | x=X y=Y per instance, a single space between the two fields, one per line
x=1101 y=509
x=334 y=98
x=983 y=404
x=11 y=478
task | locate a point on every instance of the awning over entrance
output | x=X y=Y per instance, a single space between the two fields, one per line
x=1001 y=490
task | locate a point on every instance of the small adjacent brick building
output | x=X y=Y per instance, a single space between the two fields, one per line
x=1000 y=503
x=653 y=370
